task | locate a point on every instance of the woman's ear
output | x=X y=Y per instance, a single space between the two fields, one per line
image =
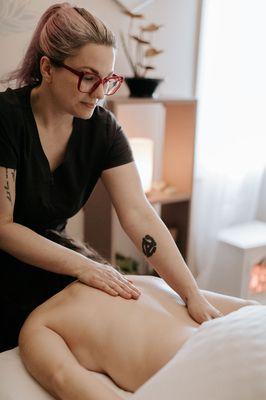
x=46 y=69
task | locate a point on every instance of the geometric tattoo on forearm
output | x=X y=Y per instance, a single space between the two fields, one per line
x=148 y=246
x=6 y=187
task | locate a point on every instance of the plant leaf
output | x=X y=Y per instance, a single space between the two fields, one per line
x=133 y=15
x=152 y=52
x=139 y=40
x=129 y=58
x=150 y=28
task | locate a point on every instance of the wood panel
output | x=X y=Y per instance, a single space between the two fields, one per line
x=177 y=170
x=97 y=224
x=178 y=159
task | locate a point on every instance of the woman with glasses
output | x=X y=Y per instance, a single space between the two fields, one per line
x=55 y=143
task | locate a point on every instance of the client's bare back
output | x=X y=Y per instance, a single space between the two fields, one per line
x=129 y=340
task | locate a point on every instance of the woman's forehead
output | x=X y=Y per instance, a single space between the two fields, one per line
x=101 y=58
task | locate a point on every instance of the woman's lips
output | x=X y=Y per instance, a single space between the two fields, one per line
x=88 y=105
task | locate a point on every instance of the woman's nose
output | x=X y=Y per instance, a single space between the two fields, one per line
x=98 y=92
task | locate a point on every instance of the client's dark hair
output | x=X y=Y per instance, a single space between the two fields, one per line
x=85 y=249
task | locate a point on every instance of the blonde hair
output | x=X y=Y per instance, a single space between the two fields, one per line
x=60 y=32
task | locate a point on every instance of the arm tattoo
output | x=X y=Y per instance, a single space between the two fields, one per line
x=6 y=187
x=148 y=245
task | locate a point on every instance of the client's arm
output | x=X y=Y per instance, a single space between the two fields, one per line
x=225 y=303
x=49 y=360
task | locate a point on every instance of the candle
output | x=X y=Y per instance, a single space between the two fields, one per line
x=142 y=149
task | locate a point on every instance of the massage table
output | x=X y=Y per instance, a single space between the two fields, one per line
x=224 y=360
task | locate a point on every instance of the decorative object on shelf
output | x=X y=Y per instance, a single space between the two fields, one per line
x=169 y=190
x=142 y=149
x=159 y=186
x=127 y=264
x=141 y=41
x=162 y=187
x=140 y=44
x=141 y=86
x=239 y=249
x=257 y=282
x=163 y=193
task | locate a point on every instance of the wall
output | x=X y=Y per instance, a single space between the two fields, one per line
x=178 y=37
x=261 y=214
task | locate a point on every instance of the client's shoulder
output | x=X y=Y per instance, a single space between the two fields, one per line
x=40 y=314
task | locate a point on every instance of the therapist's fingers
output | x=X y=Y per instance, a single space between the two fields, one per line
x=123 y=287
x=106 y=288
x=113 y=289
x=129 y=283
x=124 y=283
x=108 y=279
x=120 y=291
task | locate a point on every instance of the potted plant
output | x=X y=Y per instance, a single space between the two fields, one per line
x=141 y=45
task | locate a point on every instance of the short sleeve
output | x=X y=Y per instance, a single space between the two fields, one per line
x=8 y=153
x=119 y=151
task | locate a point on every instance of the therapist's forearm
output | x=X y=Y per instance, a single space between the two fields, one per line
x=166 y=259
x=34 y=249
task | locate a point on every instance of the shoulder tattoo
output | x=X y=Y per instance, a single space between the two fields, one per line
x=7 y=186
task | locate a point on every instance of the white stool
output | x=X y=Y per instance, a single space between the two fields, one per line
x=240 y=247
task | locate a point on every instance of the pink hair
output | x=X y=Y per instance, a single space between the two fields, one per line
x=60 y=32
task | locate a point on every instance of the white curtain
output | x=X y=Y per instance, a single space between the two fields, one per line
x=231 y=124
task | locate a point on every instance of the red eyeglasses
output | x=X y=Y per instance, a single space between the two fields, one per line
x=89 y=81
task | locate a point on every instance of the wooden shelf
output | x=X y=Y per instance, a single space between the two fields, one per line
x=163 y=198
x=145 y=100
x=170 y=123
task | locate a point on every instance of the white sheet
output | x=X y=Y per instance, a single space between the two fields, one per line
x=17 y=384
x=224 y=360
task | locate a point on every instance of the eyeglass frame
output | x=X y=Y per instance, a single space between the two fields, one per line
x=81 y=75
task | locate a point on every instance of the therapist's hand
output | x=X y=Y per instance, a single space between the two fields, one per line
x=200 y=309
x=108 y=279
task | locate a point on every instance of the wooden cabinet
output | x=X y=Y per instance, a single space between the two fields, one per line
x=171 y=124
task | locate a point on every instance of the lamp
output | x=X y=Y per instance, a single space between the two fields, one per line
x=142 y=149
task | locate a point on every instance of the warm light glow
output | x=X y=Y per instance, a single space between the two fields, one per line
x=257 y=283
x=143 y=154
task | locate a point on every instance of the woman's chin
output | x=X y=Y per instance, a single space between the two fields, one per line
x=84 y=112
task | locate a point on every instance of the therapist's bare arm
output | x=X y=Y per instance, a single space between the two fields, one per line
x=145 y=228
x=150 y=235
x=34 y=249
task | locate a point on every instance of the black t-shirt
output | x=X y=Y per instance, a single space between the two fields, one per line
x=45 y=199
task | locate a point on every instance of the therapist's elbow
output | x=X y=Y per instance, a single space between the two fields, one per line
x=137 y=215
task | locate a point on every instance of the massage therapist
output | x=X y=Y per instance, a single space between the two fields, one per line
x=55 y=143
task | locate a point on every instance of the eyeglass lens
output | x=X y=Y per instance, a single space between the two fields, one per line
x=88 y=81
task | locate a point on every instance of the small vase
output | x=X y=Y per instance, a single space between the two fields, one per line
x=142 y=87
